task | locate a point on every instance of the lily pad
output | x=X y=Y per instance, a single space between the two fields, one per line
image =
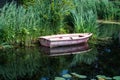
x=93 y=79
x=116 y=77
x=59 y=78
x=79 y=76
x=67 y=76
x=101 y=76
x=108 y=78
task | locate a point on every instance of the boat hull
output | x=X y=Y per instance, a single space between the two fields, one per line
x=64 y=40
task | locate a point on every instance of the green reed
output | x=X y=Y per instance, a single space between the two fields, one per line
x=84 y=17
x=20 y=25
x=17 y=24
x=104 y=9
x=108 y=10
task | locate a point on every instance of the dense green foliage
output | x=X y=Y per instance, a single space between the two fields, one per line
x=24 y=24
x=108 y=10
x=17 y=25
x=84 y=17
x=21 y=26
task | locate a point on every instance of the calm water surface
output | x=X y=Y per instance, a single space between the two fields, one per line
x=34 y=64
x=40 y=63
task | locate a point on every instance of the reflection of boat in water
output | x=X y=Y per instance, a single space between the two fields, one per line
x=64 y=39
x=74 y=49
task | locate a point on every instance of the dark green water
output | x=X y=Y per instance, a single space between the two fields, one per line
x=34 y=64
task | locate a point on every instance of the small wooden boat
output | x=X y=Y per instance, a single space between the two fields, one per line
x=64 y=39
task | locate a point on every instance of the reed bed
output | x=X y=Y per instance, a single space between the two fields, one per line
x=23 y=25
x=20 y=25
x=84 y=17
x=108 y=10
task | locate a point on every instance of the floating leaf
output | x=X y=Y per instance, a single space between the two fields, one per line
x=79 y=76
x=116 y=77
x=59 y=78
x=108 y=78
x=101 y=77
x=67 y=76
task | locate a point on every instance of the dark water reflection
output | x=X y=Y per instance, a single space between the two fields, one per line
x=33 y=63
x=65 y=50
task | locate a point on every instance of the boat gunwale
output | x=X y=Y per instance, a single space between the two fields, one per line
x=66 y=35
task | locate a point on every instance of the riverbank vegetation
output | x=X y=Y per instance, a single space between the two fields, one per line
x=21 y=25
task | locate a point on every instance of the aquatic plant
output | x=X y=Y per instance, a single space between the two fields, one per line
x=116 y=77
x=59 y=78
x=105 y=10
x=84 y=17
x=59 y=10
x=78 y=75
x=16 y=23
x=108 y=10
x=19 y=25
x=26 y=3
x=103 y=77
x=71 y=76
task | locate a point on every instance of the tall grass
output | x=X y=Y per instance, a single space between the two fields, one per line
x=108 y=10
x=59 y=9
x=19 y=25
x=84 y=17
x=16 y=23
x=105 y=10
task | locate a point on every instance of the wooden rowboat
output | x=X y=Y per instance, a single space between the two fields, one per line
x=64 y=39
